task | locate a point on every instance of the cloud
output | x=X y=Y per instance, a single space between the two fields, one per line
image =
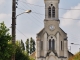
x=74 y=14
x=6 y=18
x=79 y=23
x=71 y=27
x=31 y=1
x=2 y=1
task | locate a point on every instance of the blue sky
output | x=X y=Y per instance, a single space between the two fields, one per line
x=28 y=25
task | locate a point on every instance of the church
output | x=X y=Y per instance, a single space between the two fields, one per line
x=51 y=41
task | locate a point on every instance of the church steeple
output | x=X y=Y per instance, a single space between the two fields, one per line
x=51 y=9
x=51 y=43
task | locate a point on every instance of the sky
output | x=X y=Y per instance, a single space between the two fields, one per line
x=28 y=25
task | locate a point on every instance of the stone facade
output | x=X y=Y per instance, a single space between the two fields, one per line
x=52 y=43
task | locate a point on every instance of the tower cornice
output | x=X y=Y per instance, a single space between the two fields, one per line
x=52 y=0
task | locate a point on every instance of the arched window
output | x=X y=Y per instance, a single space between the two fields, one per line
x=49 y=12
x=53 y=11
x=50 y=44
x=41 y=45
x=53 y=45
x=61 y=45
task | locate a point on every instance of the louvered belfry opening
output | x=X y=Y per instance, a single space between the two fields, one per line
x=51 y=11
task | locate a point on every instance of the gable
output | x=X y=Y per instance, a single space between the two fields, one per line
x=40 y=32
x=33 y=55
x=62 y=33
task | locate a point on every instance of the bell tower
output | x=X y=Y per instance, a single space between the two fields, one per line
x=51 y=9
x=51 y=42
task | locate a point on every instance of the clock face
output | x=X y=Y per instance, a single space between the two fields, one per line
x=51 y=27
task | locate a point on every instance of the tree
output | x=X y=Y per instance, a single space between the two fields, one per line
x=27 y=45
x=20 y=53
x=32 y=45
x=22 y=46
x=5 y=46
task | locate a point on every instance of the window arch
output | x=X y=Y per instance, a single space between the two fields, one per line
x=50 y=44
x=61 y=45
x=49 y=12
x=53 y=45
x=53 y=11
x=41 y=45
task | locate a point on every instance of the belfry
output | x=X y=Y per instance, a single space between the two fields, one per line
x=52 y=43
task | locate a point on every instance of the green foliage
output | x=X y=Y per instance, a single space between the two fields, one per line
x=22 y=46
x=20 y=53
x=30 y=45
x=27 y=45
x=33 y=45
x=75 y=57
x=31 y=58
x=5 y=47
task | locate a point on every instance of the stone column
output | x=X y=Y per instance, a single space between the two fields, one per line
x=65 y=48
x=58 y=44
x=38 y=48
x=45 y=47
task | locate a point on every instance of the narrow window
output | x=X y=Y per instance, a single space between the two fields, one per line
x=53 y=45
x=41 y=45
x=51 y=4
x=61 y=45
x=53 y=11
x=50 y=44
x=49 y=12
